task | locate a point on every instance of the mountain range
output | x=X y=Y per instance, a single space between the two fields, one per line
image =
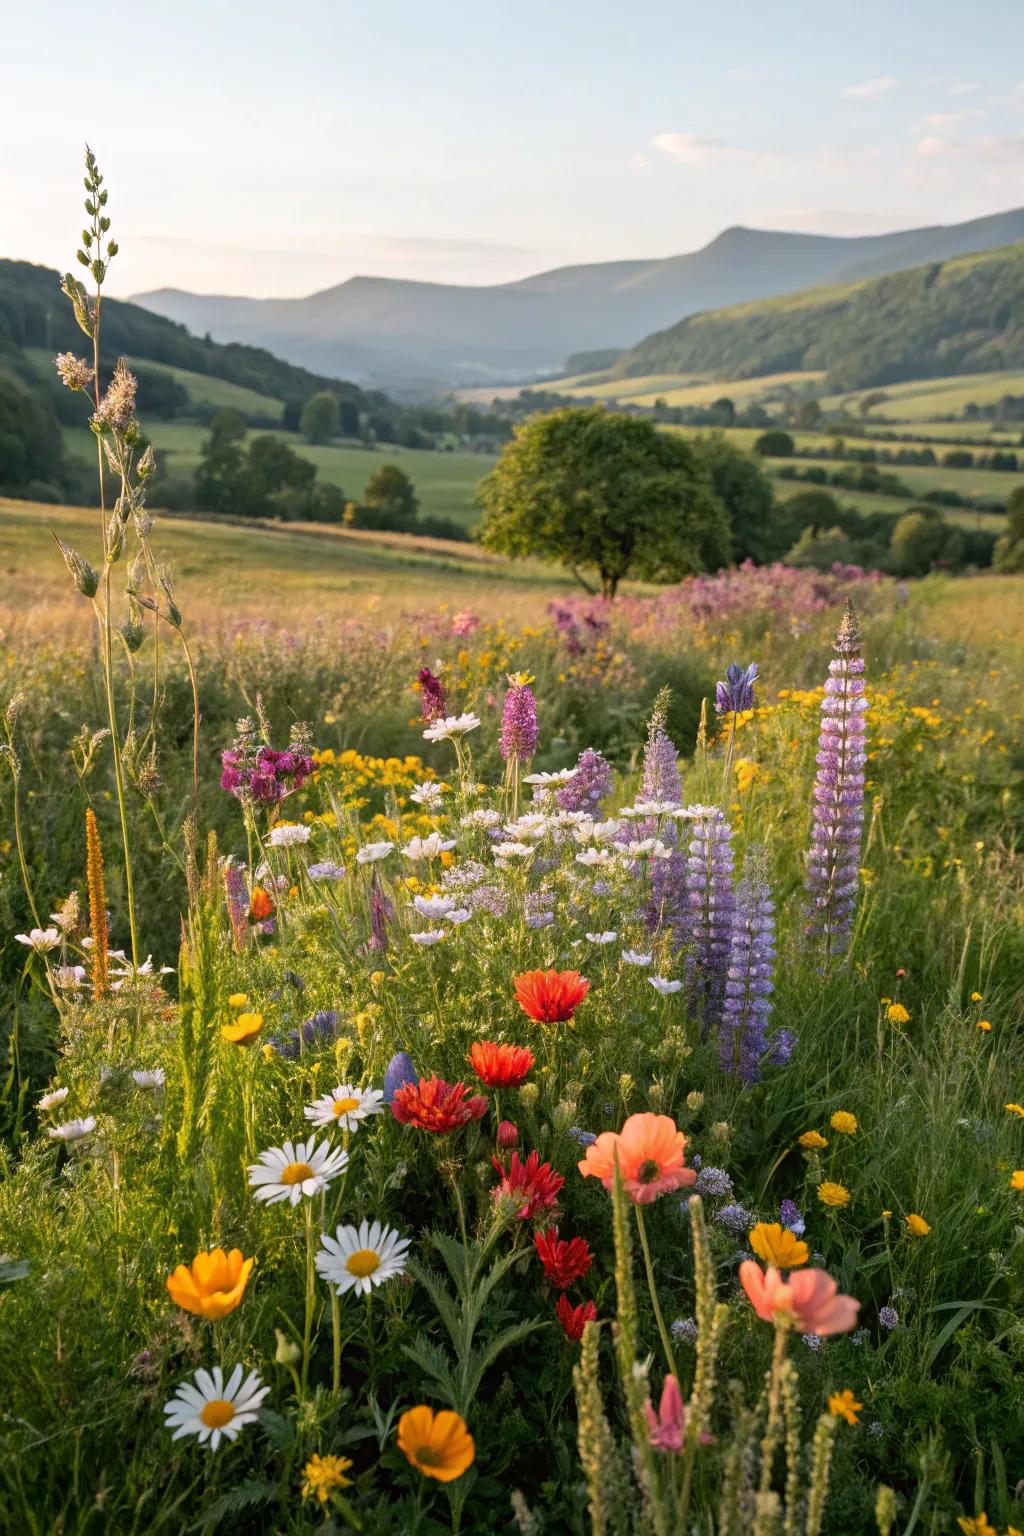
x=417 y=336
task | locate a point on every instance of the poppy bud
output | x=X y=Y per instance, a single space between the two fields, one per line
x=508 y=1134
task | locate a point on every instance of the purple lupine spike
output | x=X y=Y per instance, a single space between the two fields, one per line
x=737 y=692
x=710 y=902
x=749 y=982
x=592 y=782
x=661 y=779
x=381 y=911
x=519 y=721
x=834 y=856
x=433 y=699
x=236 y=896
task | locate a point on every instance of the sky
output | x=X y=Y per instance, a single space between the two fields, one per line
x=275 y=150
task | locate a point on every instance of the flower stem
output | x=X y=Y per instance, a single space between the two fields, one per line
x=666 y=1342
x=307 y=1331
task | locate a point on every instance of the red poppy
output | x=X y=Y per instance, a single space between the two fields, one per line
x=261 y=905
x=550 y=997
x=565 y=1260
x=532 y=1185
x=500 y=1066
x=434 y=1105
x=574 y=1319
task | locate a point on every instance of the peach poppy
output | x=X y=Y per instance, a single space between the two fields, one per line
x=809 y=1298
x=650 y=1153
x=214 y=1283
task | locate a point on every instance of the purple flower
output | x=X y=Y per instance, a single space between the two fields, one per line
x=708 y=918
x=519 y=722
x=266 y=777
x=318 y=1030
x=749 y=980
x=737 y=692
x=589 y=785
x=236 y=896
x=834 y=856
x=685 y=1328
x=735 y=1218
x=399 y=1071
x=790 y=1216
x=381 y=911
x=712 y=1184
x=585 y=1138
x=889 y=1318
x=433 y=699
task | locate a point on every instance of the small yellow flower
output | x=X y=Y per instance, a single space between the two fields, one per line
x=238 y=999
x=843 y=1122
x=843 y=1405
x=322 y=1475
x=897 y=1014
x=813 y=1140
x=776 y=1245
x=1015 y=1109
x=979 y=1526
x=1017 y=1179
x=984 y=1024
x=835 y=1195
x=975 y=997
x=917 y=1226
x=243 y=1029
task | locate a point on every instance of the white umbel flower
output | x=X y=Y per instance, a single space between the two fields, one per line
x=212 y=1409
x=294 y=1170
x=358 y=1258
x=428 y=938
x=288 y=835
x=635 y=957
x=664 y=986
x=73 y=1130
x=451 y=725
x=607 y=936
x=428 y=795
x=53 y=1098
x=428 y=847
x=560 y=776
x=345 y=1106
x=370 y=853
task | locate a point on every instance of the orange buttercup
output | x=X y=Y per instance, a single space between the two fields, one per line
x=214 y=1283
x=650 y=1156
x=809 y=1298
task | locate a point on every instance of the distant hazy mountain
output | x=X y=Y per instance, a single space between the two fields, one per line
x=965 y=315
x=393 y=332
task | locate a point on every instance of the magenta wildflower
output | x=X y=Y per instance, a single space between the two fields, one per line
x=834 y=857
x=519 y=720
x=268 y=776
x=433 y=699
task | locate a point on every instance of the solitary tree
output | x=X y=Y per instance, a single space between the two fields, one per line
x=585 y=487
x=390 y=491
x=321 y=418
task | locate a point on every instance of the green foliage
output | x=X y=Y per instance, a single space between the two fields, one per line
x=391 y=492
x=590 y=489
x=321 y=418
x=923 y=539
x=758 y=533
x=30 y=442
x=774 y=444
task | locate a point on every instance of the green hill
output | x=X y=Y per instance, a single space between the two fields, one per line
x=960 y=316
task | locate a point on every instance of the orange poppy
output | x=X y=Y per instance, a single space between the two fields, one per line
x=550 y=997
x=213 y=1284
x=650 y=1155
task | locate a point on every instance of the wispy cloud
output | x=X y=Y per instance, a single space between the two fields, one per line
x=867 y=89
x=941 y=122
x=691 y=149
x=1003 y=149
x=964 y=88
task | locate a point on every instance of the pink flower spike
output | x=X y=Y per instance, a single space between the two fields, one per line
x=667 y=1426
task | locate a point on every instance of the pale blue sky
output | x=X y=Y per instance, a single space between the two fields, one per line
x=277 y=148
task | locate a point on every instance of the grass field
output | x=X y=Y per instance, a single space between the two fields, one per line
x=681 y=389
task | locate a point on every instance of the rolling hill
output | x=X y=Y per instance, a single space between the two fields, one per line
x=411 y=334
x=964 y=315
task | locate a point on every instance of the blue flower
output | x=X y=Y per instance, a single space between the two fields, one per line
x=400 y=1071
x=737 y=692
x=790 y=1217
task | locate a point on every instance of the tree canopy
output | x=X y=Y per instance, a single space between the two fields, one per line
x=587 y=488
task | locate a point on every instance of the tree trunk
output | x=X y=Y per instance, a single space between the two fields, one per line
x=583 y=582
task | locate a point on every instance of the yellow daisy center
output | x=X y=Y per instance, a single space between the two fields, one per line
x=342 y=1106
x=296 y=1173
x=362 y=1263
x=217 y=1412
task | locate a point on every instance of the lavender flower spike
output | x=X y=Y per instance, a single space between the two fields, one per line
x=589 y=785
x=834 y=855
x=709 y=908
x=519 y=719
x=661 y=779
x=737 y=692
x=749 y=982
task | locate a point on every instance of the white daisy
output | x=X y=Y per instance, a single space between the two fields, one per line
x=451 y=725
x=291 y=1171
x=428 y=847
x=634 y=957
x=593 y=856
x=150 y=1080
x=53 y=1098
x=428 y=938
x=358 y=1258
x=607 y=937
x=514 y=850
x=560 y=776
x=641 y=809
x=72 y=1130
x=428 y=795
x=664 y=986
x=212 y=1409
x=434 y=906
x=370 y=853
x=345 y=1106
x=459 y=916
x=528 y=828
x=697 y=812
x=483 y=817
x=40 y=939
x=288 y=835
